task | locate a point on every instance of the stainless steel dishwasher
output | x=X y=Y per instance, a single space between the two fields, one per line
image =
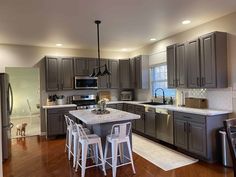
x=164 y=125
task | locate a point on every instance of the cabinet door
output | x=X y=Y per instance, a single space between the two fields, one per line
x=52 y=74
x=103 y=80
x=132 y=73
x=92 y=63
x=208 y=61
x=81 y=67
x=197 y=138
x=124 y=70
x=120 y=106
x=113 y=106
x=181 y=70
x=139 y=123
x=171 y=66
x=114 y=77
x=138 y=72
x=55 y=124
x=180 y=133
x=67 y=74
x=193 y=64
x=150 y=124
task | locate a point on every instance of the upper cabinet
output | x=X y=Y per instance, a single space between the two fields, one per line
x=59 y=73
x=124 y=73
x=205 y=59
x=103 y=80
x=171 y=66
x=141 y=72
x=113 y=66
x=193 y=60
x=81 y=67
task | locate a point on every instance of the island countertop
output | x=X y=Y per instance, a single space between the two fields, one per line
x=90 y=118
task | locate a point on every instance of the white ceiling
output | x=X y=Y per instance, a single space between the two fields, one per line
x=125 y=23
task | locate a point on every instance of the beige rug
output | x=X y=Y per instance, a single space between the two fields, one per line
x=162 y=156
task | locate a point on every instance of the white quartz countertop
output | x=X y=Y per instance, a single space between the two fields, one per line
x=90 y=118
x=205 y=112
x=59 y=106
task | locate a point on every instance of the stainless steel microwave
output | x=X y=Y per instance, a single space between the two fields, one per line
x=86 y=82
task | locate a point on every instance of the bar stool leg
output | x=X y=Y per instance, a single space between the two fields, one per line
x=84 y=158
x=105 y=153
x=78 y=157
x=131 y=156
x=69 y=145
x=66 y=140
x=114 y=157
x=75 y=142
x=101 y=157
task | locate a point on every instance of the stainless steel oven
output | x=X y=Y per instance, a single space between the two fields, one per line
x=86 y=82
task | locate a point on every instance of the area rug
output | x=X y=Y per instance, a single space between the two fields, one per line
x=162 y=156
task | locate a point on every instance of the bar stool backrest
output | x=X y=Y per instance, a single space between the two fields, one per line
x=121 y=130
x=67 y=120
x=81 y=132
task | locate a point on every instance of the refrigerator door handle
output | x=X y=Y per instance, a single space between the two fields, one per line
x=11 y=96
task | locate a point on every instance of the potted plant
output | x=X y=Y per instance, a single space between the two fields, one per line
x=60 y=99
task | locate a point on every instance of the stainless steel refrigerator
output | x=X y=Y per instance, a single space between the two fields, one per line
x=6 y=104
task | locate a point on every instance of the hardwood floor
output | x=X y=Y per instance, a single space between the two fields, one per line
x=37 y=157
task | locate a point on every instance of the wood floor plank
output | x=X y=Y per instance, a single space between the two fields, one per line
x=38 y=157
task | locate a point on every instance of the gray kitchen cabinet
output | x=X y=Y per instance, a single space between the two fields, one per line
x=103 y=80
x=171 y=66
x=150 y=122
x=124 y=73
x=59 y=74
x=180 y=135
x=181 y=68
x=214 y=60
x=81 y=67
x=132 y=73
x=141 y=72
x=120 y=106
x=130 y=108
x=197 y=134
x=193 y=64
x=113 y=66
x=139 y=123
x=67 y=74
x=56 y=121
x=113 y=106
x=52 y=74
x=197 y=138
x=92 y=63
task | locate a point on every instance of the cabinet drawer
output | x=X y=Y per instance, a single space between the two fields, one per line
x=138 y=108
x=113 y=106
x=190 y=117
x=120 y=106
x=130 y=108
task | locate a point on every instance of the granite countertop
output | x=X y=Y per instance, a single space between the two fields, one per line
x=205 y=112
x=89 y=118
x=59 y=106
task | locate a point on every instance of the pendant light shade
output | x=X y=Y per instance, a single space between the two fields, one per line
x=106 y=71
x=93 y=74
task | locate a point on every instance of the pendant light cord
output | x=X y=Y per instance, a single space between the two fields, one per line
x=98 y=22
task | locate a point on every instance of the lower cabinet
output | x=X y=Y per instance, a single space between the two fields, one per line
x=197 y=133
x=56 y=121
x=150 y=123
x=139 y=123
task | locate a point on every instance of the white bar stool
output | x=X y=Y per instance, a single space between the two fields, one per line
x=119 y=134
x=83 y=146
x=72 y=138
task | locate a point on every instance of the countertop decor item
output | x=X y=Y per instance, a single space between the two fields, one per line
x=60 y=99
x=99 y=111
x=102 y=104
x=106 y=71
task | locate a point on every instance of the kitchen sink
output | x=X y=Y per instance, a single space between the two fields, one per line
x=153 y=103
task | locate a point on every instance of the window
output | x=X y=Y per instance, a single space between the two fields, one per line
x=159 y=80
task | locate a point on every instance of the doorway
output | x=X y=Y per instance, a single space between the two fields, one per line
x=25 y=115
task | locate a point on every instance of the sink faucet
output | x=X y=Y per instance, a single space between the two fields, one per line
x=163 y=94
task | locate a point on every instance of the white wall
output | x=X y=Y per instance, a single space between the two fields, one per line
x=27 y=56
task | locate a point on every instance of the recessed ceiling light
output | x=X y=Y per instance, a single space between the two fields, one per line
x=153 y=39
x=59 y=45
x=124 y=49
x=185 y=22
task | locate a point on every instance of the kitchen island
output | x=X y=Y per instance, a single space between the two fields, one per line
x=102 y=124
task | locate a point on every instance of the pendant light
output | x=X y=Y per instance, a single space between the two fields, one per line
x=106 y=71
